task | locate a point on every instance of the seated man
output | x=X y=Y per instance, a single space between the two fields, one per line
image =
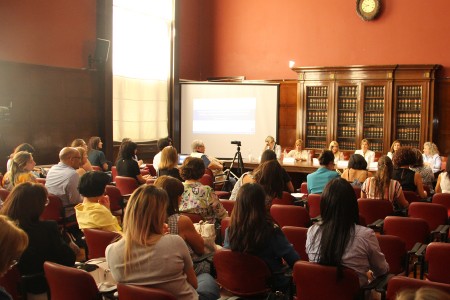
x=212 y=163
x=162 y=143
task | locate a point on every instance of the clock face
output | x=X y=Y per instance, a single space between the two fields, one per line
x=368 y=5
x=368 y=9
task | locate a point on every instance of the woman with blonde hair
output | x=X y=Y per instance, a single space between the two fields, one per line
x=431 y=156
x=21 y=170
x=169 y=162
x=298 y=153
x=147 y=255
x=394 y=147
x=14 y=241
x=338 y=155
x=85 y=163
x=84 y=160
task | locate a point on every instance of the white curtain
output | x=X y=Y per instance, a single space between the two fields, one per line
x=141 y=68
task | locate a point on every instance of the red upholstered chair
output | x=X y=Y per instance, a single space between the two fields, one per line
x=399 y=283
x=314 y=205
x=315 y=281
x=116 y=202
x=151 y=169
x=443 y=199
x=394 y=251
x=70 y=283
x=11 y=283
x=3 y=194
x=113 y=173
x=371 y=210
x=228 y=205
x=208 y=179
x=411 y=196
x=435 y=214
x=97 y=240
x=55 y=211
x=126 y=185
x=410 y=230
x=304 y=188
x=297 y=237
x=357 y=190
x=134 y=292
x=290 y=215
x=286 y=199
x=241 y=274
x=438 y=259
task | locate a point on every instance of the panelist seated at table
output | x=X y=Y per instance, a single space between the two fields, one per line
x=272 y=145
x=319 y=179
x=431 y=157
x=338 y=155
x=368 y=155
x=298 y=153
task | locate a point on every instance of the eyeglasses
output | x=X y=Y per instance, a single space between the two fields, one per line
x=13 y=263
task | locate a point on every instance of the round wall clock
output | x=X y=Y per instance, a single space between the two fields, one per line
x=368 y=9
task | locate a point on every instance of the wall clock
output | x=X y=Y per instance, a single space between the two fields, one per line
x=368 y=9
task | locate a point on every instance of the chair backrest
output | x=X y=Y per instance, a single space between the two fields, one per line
x=399 y=283
x=290 y=215
x=70 y=283
x=314 y=205
x=394 y=251
x=304 y=188
x=315 y=281
x=195 y=218
x=411 y=196
x=443 y=199
x=207 y=180
x=241 y=274
x=410 y=230
x=133 y=292
x=115 y=198
x=53 y=211
x=438 y=257
x=113 y=172
x=224 y=224
x=126 y=185
x=297 y=237
x=286 y=199
x=97 y=240
x=151 y=169
x=3 y=194
x=11 y=282
x=228 y=205
x=357 y=190
x=373 y=209
x=435 y=214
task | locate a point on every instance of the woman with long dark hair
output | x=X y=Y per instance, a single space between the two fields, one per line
x=338 y=240
x=357 y=172
x=253 y=231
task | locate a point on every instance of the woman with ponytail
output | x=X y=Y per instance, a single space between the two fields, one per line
x=22 y=166
x=383 y=187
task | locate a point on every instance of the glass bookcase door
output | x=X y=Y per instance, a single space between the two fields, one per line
x=373 y=116
x=347 y=111
x=316 y=116
x=408 y=117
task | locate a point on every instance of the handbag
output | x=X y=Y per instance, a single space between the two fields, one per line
x=208 y=233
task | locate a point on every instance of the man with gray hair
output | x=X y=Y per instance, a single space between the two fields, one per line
x=212 y=163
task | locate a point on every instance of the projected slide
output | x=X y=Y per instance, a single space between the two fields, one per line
x=224 y=116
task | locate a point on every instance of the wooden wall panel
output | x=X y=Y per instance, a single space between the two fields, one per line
x=287 y=114
x=442 y=110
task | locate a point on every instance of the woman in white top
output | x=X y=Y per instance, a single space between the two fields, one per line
x=431 y=156
x=394 y=147
x=338 y=155
x=369 y=155
x=272 y=145
x=298 y=153
x=443 y=181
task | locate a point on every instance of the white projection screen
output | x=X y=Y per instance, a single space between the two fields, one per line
x=218 y=113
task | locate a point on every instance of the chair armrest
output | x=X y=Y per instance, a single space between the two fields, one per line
x=377 y=225
x=316 y=219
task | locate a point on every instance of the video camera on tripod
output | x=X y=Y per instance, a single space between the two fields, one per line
x=238 y=155
x=238 y=143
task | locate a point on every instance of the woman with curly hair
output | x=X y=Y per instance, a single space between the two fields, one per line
x=425 y=171
x=403 y=159
x=21 y=170
x=431 y=156
x=383 y=187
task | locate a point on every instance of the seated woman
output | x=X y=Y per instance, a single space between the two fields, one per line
x=95 y=156
x=383 y=187
x=84 y=158
x=169 y=162
x=14 y=241
x=21 y=170
x=298 y=153
x=394 y=147
x=357 y=172
x=94 y=211
x=182 y=225
x=127 y=166
x=270 y=155
x=425 y=171
x=85 y=164
x=25 y=205
x=318 y=179
x=338 y=155
x=368 y=155
x=198 y=198
x=139 y=161
x=443 y=181
x=410 y=180
x=22 y=147
x=253 y=231
x=272 y=145
x=338 y=240
x=147 y=255
x=431 y=156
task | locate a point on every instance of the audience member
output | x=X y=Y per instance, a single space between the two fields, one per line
x=86 y=164
x=14 y=241
x=410 y=180
x=182 y=225
x=94 y=212
x=338 y=155
x=356 y=173
x=22 y=166
x=317 y=180
x=161 y=144
x=127 y=166
x=198 y=198
x=25 y=205
x=253 y=231
x=431 y=156
x=212 y=163
x=272 y=145
x=169 y=162
x=84 y=158
x=95 y=156
x=22 y=147
x=147 y=255
x=135 y=158
x=394 y=147
x=425 y=171
x=298 y=153
x=383 y=187
x=443 y=181
x=368 y=155
x=423 y=293
x=338 y=240
x=270 y=155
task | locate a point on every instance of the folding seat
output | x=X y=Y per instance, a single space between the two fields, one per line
x=443 y=199
x=357 y=190
x=97 y=240
x=286 y=199
x=394 y=251
x=133 y=292
x=126 y=185
x=434 y=214
x=228 y=205
x=290 y=215
x=411 y=196
x=399 y=283
x=314 y=205
x=116 y=201
x=56 y=211
x=437 y=258
x=297 y=237
x=372 y=210
x=113 y=173
x=216 y=185
x=304 y=188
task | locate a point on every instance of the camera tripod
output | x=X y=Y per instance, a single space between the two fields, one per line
x=240 y=163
